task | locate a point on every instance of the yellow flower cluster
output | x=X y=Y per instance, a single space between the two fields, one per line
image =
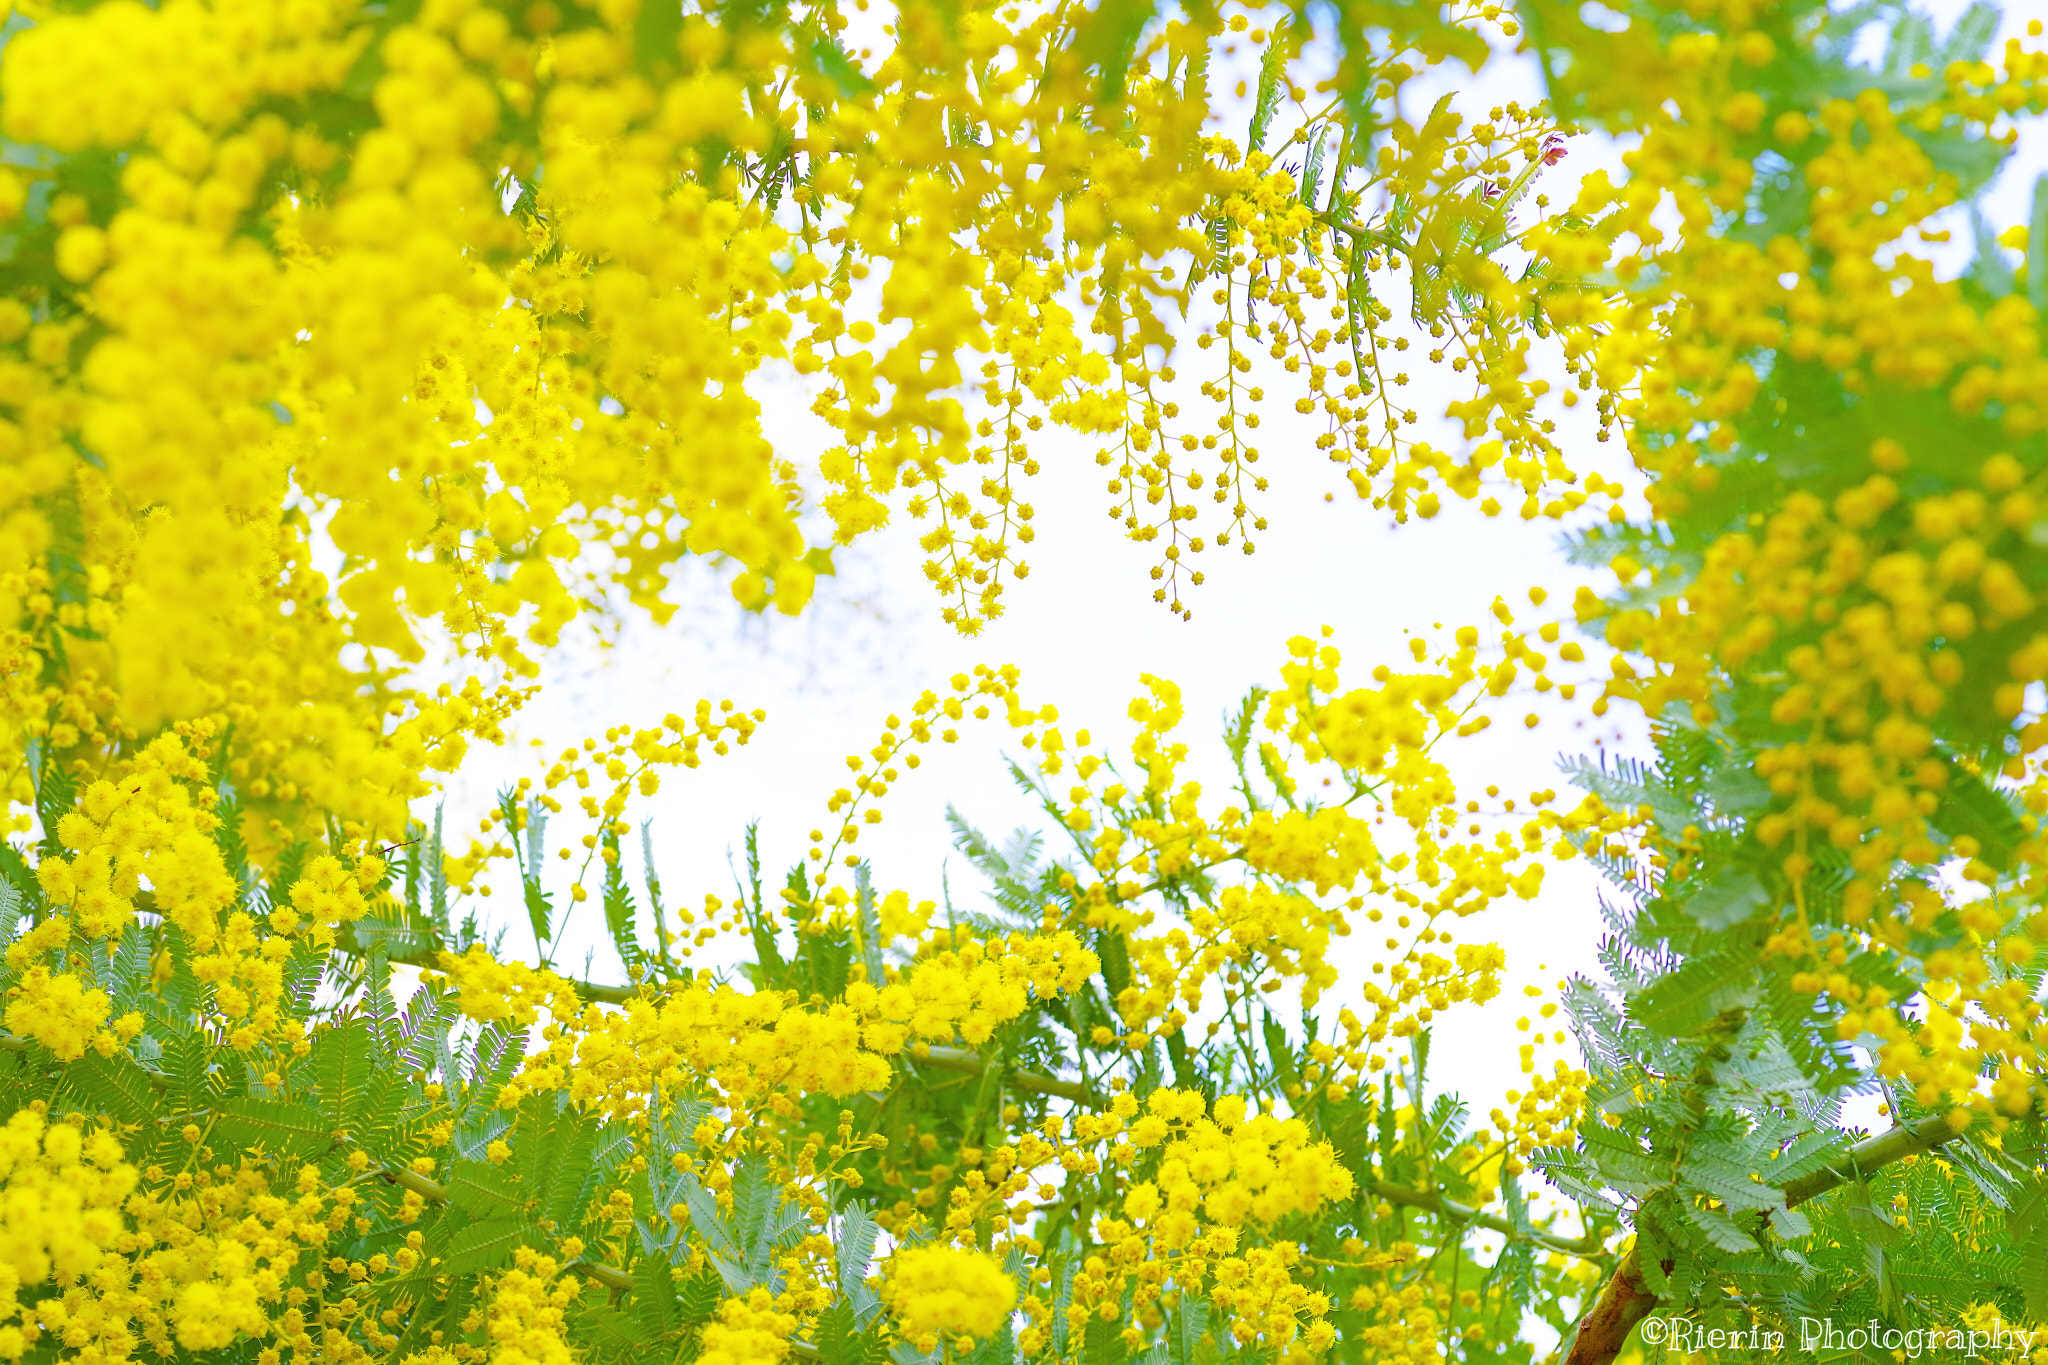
x=1403 y=1321
x=1315 y=855
x=158 y=822
x=1222 y=1177
x=59 y=1011
x=749 y=1330
x=147 y=1263
x=61 y=1193
x=937 y=1291
x=528 y=1305
x=490 y=990
x=757 y=1048
x=146 y=825
x=1225 y=1168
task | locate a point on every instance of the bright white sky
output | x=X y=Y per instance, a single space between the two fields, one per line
x=1083 y=628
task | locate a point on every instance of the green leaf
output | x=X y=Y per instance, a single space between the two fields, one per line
x=2026 y=1226
x=2037 y=248
x=1971 y=36
x=560 y=1175
x=841 y=1340
x=1102 y=1343
x=480 y=1189
x=617 y=898
x=1279 y=1049
x=1000 y=1349
x=770 y=972
x=1106 y=38
x=22 y=890
x=1989 y=270
x=1271 y=69
x=615 y=1331
x=833 y=63
x=349 y=1075
x=1733 y=896
x=278 y=1127
x=699 y=1296
x=487 y=1244
x=1184 y=1333
x=1114 y=951
x=857 y=1233
x=1971 y=808
x=1687 y=998
x=533 y=817
x=114 y=1085
x=55 y=792
x=655 y=31
x=823 y=961
x=654 y=1295
x=869 y=922
x=1312 y=167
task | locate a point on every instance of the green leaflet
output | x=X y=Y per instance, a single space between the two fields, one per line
x=1266 y=103
x=836 y=65
x=1970 y=808
x=823 y=962
x=841 y=1340
x=1000 y=1349
x=483 y=1191
x=1114 y=952
x=1730 y=898
x=1105 y=40
x=655 y=31
x=698 y=1297
x=346 y=1073
x=743 y=1246
x=1312 y=166
x=113 y=1086
x=856 y=1245
x=2026 y=1225
x=655 y=1302
x=277 y=1127
x=615 y=1331
x=1692 y=995
x=1102 y=1343
x=1186 y=1330
x=1720 y=1229
x=867 y=921
x=553 y=1156
x=488 y=1243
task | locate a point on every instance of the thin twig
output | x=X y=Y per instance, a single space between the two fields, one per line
x=1432 y=1202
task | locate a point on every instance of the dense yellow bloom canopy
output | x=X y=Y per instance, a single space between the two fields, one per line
x=354 y=356
x=360 y=338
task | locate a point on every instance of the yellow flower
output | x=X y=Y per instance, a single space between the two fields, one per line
x=949 y=1290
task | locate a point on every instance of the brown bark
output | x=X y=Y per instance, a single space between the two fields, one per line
x=1624 y=1302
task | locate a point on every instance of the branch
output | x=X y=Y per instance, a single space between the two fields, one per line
x=1872 y=1154
x=1359 y=233
x=1624 y=1302
x=429 y=959
x=968 y=1064
x=1432 y=1202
